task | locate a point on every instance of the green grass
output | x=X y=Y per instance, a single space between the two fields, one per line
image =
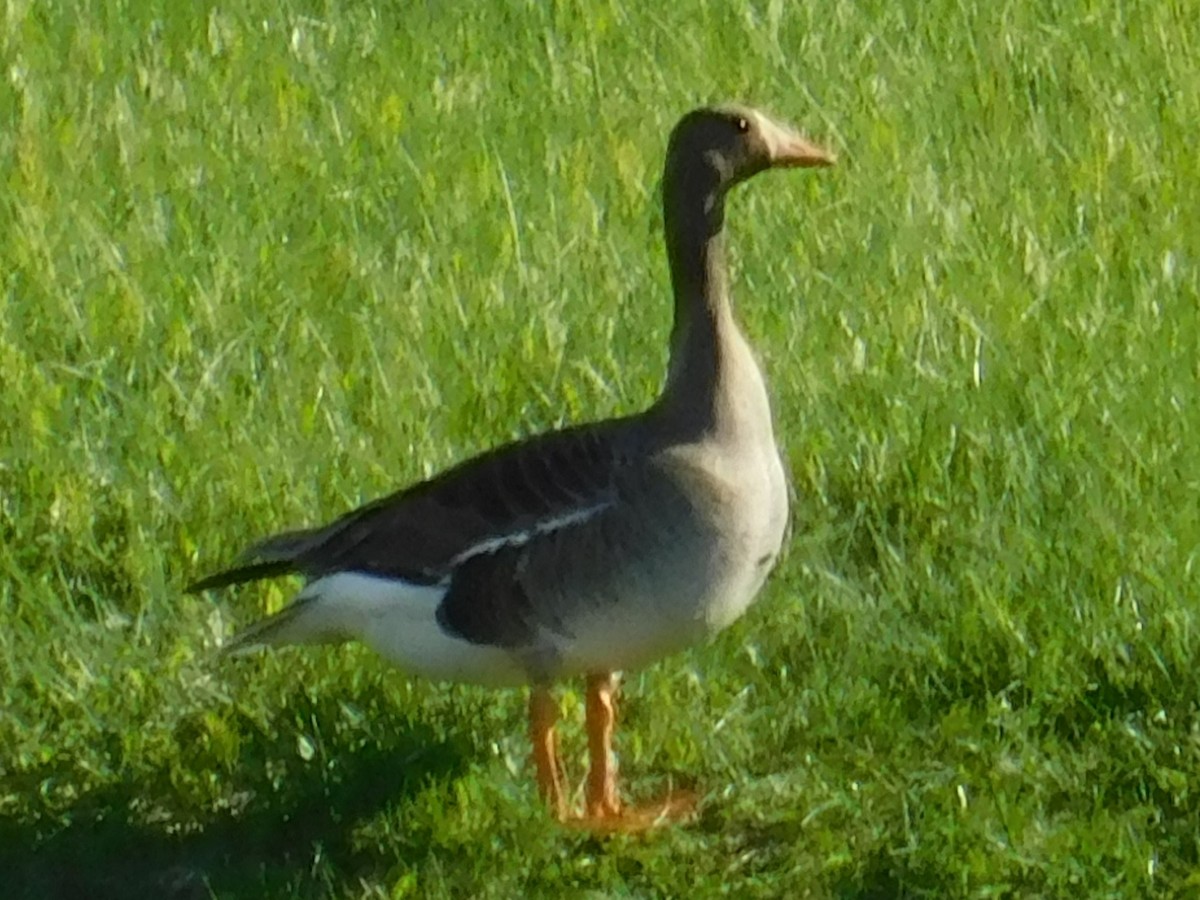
x=263 y=261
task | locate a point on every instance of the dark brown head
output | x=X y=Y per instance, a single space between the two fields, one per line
x=723 y=145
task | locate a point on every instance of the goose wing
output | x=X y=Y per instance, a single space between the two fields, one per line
x=426 y=533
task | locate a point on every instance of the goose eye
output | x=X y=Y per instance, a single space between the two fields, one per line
x=743 y=125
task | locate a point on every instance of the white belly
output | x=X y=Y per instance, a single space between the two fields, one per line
x=397 y=620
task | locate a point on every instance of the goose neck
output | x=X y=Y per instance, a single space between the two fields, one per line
x=694 y=220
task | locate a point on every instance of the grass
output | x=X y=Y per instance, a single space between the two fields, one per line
x=264 y=261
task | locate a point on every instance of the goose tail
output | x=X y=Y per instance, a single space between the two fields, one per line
x=268 y=558
x=306 y=620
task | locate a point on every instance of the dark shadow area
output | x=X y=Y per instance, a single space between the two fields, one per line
x=267 y=847
x=887 y=876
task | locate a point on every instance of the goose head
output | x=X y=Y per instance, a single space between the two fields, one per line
x=715 y=148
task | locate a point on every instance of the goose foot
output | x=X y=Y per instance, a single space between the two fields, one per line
x=672 y=808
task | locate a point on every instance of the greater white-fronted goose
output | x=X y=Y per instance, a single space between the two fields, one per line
x=586 y=551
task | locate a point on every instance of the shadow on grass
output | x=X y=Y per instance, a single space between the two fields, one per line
x=267 y=848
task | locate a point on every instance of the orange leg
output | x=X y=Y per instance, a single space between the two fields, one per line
x=543 y=714
x=604 y=811
x=601 y=795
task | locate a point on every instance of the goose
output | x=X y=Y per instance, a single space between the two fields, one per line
x=585 y=551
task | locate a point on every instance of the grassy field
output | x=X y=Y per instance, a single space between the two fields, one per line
x=263 y=261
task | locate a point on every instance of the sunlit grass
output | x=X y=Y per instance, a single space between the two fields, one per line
x=265 y=261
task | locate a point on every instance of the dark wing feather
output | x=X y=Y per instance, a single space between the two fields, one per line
x=422 y=532
x=240 y=575
x=487 y=603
